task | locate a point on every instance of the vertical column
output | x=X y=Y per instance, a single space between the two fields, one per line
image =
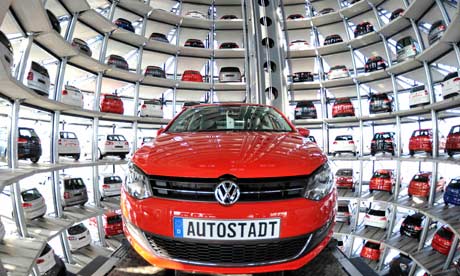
x=20 y=69
x=211 y=43
x=247 y=73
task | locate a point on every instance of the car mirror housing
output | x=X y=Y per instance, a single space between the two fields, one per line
x=303 y=131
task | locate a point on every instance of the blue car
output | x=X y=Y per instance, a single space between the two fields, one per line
x=452 y=193
x=124 y=24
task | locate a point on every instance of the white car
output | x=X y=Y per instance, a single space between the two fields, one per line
x=112 y=144
x=377 y=216
x=46 y=261
x=110 y=185
x=151 y=108
x=2 y=230
x=343 y=143
x=338 y=72
x=196 y=14
x=78 y=236
x=72 y=96
x=6 y=51
x=418 y=98
x=299 y=44
x=38 y=79
x=33 y=203
x=451 y=85
x=68 y=145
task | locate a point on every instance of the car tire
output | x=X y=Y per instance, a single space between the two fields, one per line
x=371 y=191
x=76 y=157
x=334 y=154
x=450 y=153
x=353 y=189
x=410 y=196
x=101 y=199
x=373 y=153
x=354 y=153
x=393 y=153
x=34 y=159
x=411 y=153
x=122 y=156
x=100 y=154
x=82 y=204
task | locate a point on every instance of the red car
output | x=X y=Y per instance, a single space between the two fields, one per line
x=371 y=251
x=202 y=198
x=382 y=180
x=111 y=104
x=421 y=140
x=112 y=223
x=453 y=141
x=420 y=185
x=192 y=75
x=442 y=240
x=344 y=179
x=342 y=108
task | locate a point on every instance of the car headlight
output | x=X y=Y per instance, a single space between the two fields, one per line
x=137 y=184
x=320 y=183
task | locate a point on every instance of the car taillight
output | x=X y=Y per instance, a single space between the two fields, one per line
x=442 y=28
x=30 y=76
x=373 y=142
x=108 y=143
x=71 y=238
x=39 y=261
x=414 y=48
x=345 y=69
x=456 y=79
x=335 y=143
x=26 y=205
x=403 y=224
x=418 y=228
x=351 y=142
x=426 y=92
x=59 y=142
x=383 y=218
x=388 y=141
x=105 y=186
x=367 y=216
x=22 y=140
x=64 y=92
x=126 y=143
x=143 y=106
x=66 y=195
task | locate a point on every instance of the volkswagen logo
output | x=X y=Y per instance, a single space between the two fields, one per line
x=227 y=192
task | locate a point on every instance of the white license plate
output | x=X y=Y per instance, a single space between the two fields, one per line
x=202 y=229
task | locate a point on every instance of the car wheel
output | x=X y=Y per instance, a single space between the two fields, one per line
x=82 y=204
x=450 y=153
x=393 y=153
x=34 y=159
x=353 y=189
x=371 y=191
x=446 y=204
x=354 y=153
x=410 y=196
x=411 y=153
x=123 y=156
x=101 y=199
x=100 y=154
x=334 y=153
x=390 y=192
x=373 y=153
x=76 y=157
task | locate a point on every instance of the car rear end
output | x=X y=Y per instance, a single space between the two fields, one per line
x=338 y=72
x=72 y=96
x=82 y=46
x=375 y=63
x=230 y=74
x=421 y=140
x=33 y=204
x=344 y=178
x=363 y=28
x=192 y=75
x=124 y=24
x=342 y=108
x=113 y=224
x=376 y=218
x=155 y=71
x=111 y=104
x=406 y=48
x=332 y=39
x=380 y=103
x=194 y=43
x=118 y=61
x=78 y=236
x=68 y=144
x=29 y=144
x=151 y=108
x=229 y=45
x=453 y=141
x=371 y=251
x=452 y=193
x=343 y=143
x=418 y=97
x=110 y=186
x=381 y=181
x=305 y=110
x=116 y=144
x=412 y=226
x=451 y=85
x=6 y=51
x=159 y=37
x=383 y=142
x=442 y=240
x=420 y=185
x=344 y=212
x=74 y=192
x=46 y=261
x=302 y=76
x=38 y=79
x=437 y=29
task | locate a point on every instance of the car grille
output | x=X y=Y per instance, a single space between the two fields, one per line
x=250 y=189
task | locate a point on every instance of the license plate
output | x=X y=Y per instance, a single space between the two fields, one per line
x=227 y=229
x=118 y=147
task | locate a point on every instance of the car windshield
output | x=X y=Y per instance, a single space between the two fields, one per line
x=414 y=220
x=420 y=178
x=30 y=195
x=115 y=138
x=373 y=245
x=386 y=135
x=381 y=175
x=344 y=138
x=422 y=132
x=112 y=97
x=344 y=172
x=112 y=179
x=343 y=209
x=74 y=184
x=154 y=102
x=230 y=118
x=445 y=233
x=114 y=219
x=27 y=132
x=455 y=183
x=451 y=76
x=404 y=42
x=67 y=135
x=76 y=229
x=380 y=213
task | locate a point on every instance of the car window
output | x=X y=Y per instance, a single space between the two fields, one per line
x=40 y=69
x=116 y=138
x=455 y=130
x=74 y=183
x=343 y=209
x=344 y=138
x=344 y=173
x=381 y=136
x=46 y=250
x=403 y=42
x=455 y=183
x=114 y=219
x=67 y=135
x=155 y=102
x=444 y=233
x=381 y=175
x=413 y=220
x=372 y=245
x=230 y=69
x=27 y=132
x=112 y=179
x=451 y=76
x=112 y=97
x=30 y=195
x=77 y=229
x=380 y=213
x=420 y=178
x=342 y=100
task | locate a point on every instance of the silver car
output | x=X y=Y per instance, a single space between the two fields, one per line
x=344 y=212
x=110 y=185
x=38 y=79
x=73 y=191
x=33 y=203
x=230 y=74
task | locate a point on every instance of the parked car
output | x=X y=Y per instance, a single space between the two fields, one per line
x=442 y=240
x=302 y=76
x=155 y=71
x=363 y=28
x=305 y=110
x=229 y=45
x=54 y=21
x=377 y=216
x=112 y=144
x=342 y=107
x=344 y=212
x=196 y=14
x=111 y=104
x=82 y=46
x=151 y=108
x=406 y=48
x=68 y=144
x=230 y=74
x=338 y=72
x=2 y=231
x=159 y=37
x=450 y=85
x=192 y=75
x=438 y=28
x=295 y=16
x=383 y=142
x=344 y=179
x=375 y=63
x=396 y=13
x=332 y=39
x=71 y=95
x=147 y=140
x=325 y=11
x=33 y=203
x=29 y=144
x=453 y=141
x=299 y=44
x=452 y=193
x=6 y=50
x=382 y=180
x=78 y=236
x=371 y=251
x=118 y=61
x=412 y=225
x=228 y=17
x=124 y=24
x=421 y=140
x=73 y=191
x=49 y=263
x=112 y=223
x=400 y=265
x=380 y=103
x=196 y=43
x=110 y=185
x=419 y=96
x=343 y=143
x=38 y=79
x=420 y=185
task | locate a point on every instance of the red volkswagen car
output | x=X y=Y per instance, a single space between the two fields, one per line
x=229 y=188
x=344 y=179
x=420 y=185
x=382 y=180
x=112 y=222
x=421 y=140
x=111 y=104
x=453 y=141
x=442 y=240
x=192 y=75
x=371 y=251
x=342 y=108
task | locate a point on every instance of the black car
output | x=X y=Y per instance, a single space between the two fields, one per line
x=325 y=11
x=363 y=28
x=82 y=46
x=29 y=144
x=228 y=45
x=155 y=71
x=412 y=225
x=375 y=63
x=305 y=110
x=118 y=62
x=302 y=76
x=332 y=39
x=159 y=37
x=396 y=13
x=124 y=24
x=383 y=142
x=54 y=21
x=436 y=31
x=380 y=103
x=191 y=42
x=229 y=17
x=400 y=265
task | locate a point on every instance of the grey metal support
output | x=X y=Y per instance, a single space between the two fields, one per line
x=71 y=29
x=423 y=235
x=26 y=45
x=349 y=249
x=95 y=171
x=18 y=211
x=457 y=54
x=418 y=36
x=413 y=269
x=174 y=101
x=391 y=224
x=395 y=92
x=112 y=10
x=452 y=251
x=433 y=182
x=382 y=259
x=444 y=14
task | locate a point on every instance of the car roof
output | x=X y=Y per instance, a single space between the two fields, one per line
x=384 y=171
x=423 y=173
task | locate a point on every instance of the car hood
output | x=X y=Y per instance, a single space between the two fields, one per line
x=241 y=154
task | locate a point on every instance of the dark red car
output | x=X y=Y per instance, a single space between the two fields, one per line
x=295 y=16
x=194 y=43
x=192 y=75
x=442 y=240
x=229 y=45
x=363 y=28
x=342 y=108
x=111 y=104
x=453 y=141
x=382 y=180
x=344 y=179
x=112 y=223
x=371 y=251
x=118 y=61
x=420 y=185
x=421 y=140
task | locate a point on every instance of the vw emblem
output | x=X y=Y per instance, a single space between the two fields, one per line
x=227 y=192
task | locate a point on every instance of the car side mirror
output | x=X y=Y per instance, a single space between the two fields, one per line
x=160 y=131
x=303 y=131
